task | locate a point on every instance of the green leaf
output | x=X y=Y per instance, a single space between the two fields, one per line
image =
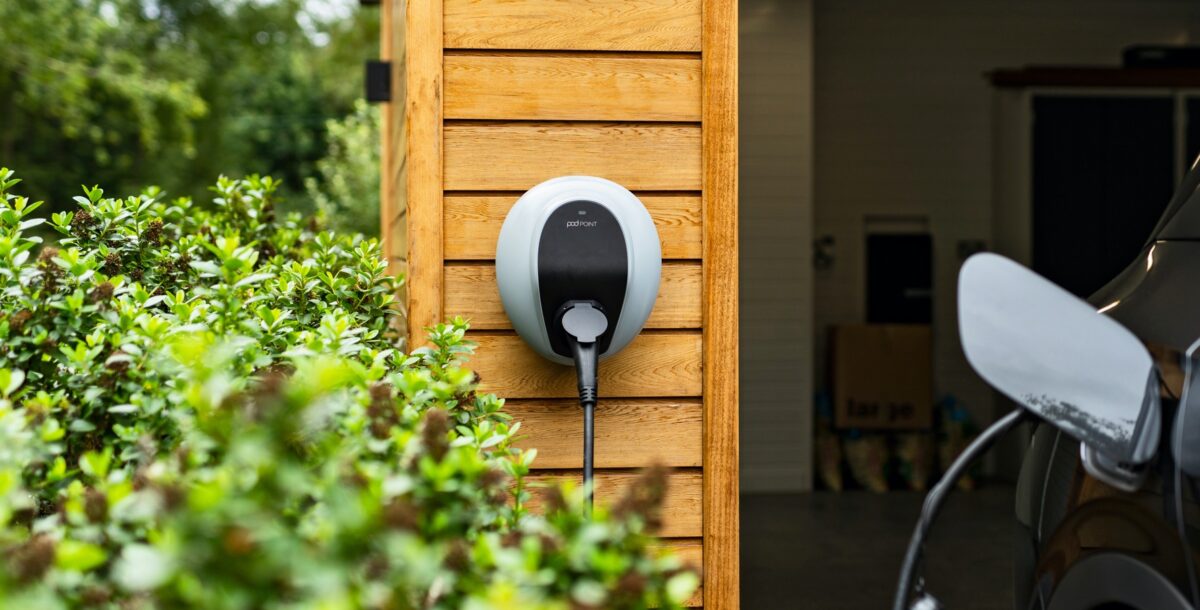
x=10 y=381
x=78 y=556
x=52 y=431
x=682 y=585
x=58 y=470
x=206 y=267
x=81 y=425
x=589 y=593
x=141 y=567
x=96 y=464
x=252 y=279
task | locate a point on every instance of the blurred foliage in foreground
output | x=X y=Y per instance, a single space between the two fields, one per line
x=129 y=92
x=207 y=408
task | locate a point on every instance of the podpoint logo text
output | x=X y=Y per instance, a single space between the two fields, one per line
x=581 y=223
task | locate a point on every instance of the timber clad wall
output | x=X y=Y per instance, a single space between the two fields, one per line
x=492 y=97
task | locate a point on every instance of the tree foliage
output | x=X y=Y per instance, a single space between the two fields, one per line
x=346 y=187
x=83 y=90
x=126 y=91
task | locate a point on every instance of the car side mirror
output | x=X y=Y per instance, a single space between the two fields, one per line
x=1187 y=418
x=1053 y=354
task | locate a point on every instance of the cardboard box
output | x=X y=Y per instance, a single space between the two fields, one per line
x=883 y=376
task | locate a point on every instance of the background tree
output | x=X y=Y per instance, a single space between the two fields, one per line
x=85 y=87
x=345 y=188
x=126 y=92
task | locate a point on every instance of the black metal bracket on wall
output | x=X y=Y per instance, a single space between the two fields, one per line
x=378 y=81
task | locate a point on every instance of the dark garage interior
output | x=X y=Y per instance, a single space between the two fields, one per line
x=898 y=141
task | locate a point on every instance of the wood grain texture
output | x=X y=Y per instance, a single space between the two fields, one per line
x=393 y=176
x=655 y=364
x=517 y=156
x=603 y=25
x=472 y=223
x=720 y=107
x=681 y=516
x=396 y=234
x=629 y=433
x=398 y=267
x=471 y=291
x=423 y=164
x=573 y=87
x=689 y=550
x=676 y=145
x=388 y=182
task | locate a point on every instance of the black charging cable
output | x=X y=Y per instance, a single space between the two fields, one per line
x=584 y=324
x=933 y=505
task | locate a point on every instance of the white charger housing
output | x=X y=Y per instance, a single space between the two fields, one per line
x=578 y=239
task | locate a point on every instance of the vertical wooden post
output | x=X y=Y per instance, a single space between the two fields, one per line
x=423 y=127
x=720 y=190
x=387 y=181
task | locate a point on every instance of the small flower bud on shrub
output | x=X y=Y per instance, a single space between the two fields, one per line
x=32 y=560
x=95 y=505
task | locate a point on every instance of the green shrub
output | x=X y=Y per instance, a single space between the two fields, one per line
x=207 y=408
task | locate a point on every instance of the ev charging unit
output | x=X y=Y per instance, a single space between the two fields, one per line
x=578 y=264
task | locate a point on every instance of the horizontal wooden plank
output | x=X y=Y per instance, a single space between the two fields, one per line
x=691 y=552
x=483 y=156
x=603 y=25
x=471 y=291
x=472 y=224
x=655 y=364
x=681 y=507
x=629 y=433
x=565 y=88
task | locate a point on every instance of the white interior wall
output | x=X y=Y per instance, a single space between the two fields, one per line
x=775 y=212
x=903 y=126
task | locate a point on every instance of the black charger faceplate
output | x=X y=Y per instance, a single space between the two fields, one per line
x=582 y=256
